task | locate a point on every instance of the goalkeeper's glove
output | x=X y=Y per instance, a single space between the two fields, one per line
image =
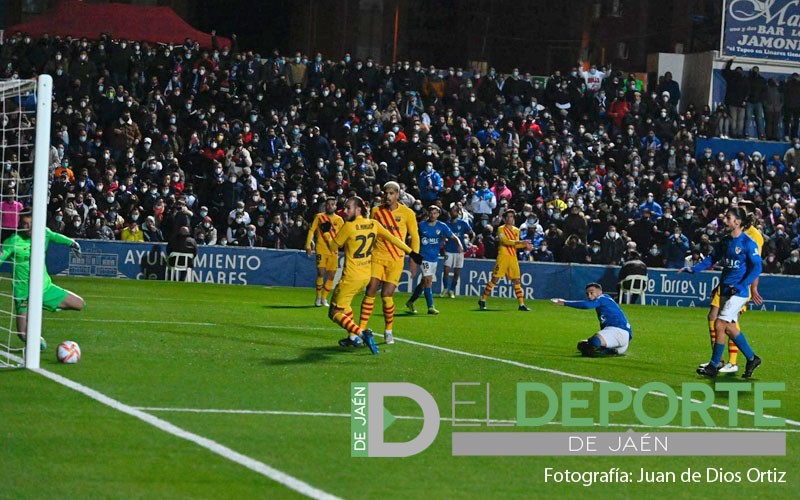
x=325 y=226
x=76 y=249
x=416 y=257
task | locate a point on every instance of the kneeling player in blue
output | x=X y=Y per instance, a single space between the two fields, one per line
x=432 y=234
x=615 y=331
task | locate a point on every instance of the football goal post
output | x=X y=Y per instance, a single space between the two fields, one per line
x=25 y=174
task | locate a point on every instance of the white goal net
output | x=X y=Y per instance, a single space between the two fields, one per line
x=25 y=107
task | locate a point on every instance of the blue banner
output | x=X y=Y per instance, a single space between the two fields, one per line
x=246 y=266
x=762 y=29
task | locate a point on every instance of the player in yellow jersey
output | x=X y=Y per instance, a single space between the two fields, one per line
x=507 y=263
x=358 y=236
x=327 y=260
x=733 y=352
x=388 y=262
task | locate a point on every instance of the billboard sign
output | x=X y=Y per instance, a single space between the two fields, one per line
x=761 y=29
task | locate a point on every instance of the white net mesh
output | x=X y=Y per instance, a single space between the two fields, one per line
x=18 y=119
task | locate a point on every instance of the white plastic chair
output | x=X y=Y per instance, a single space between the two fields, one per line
x=177 y=263
x=632 y=285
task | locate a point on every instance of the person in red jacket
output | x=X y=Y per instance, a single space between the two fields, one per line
x=617 y=111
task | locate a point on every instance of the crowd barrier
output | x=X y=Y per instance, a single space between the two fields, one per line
x=733 y=146
x=243 y=266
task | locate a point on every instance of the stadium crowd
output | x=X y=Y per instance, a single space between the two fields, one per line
x=243 y=149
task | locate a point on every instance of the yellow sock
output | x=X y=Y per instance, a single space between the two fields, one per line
x=488 y=290
x=367 y=305
x=713 y=332
x=326 y=289
x=733 y=352
x=319 y=287
x=346 y=321
x=518 y=293
x=388 y=312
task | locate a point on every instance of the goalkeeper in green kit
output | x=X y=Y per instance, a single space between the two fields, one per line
x=17 y=247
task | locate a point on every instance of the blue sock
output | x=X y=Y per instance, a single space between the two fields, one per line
x=595 y=341
x=716 y=356
x=429 y=297
x=445 y=283
x=453 y=284
x=743 y=346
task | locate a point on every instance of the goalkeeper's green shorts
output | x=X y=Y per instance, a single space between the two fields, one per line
x=53 y=297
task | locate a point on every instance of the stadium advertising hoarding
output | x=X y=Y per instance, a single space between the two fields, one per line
x=242 y=266
x=761 y=29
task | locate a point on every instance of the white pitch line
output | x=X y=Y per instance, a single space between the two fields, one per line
x=460 y=353
x=448 y=419
x=213 y=446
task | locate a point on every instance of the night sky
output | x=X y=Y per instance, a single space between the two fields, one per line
x=260 y=26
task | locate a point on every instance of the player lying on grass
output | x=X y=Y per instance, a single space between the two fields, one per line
x=18 y=248
x=357 y=236
x=615 y=331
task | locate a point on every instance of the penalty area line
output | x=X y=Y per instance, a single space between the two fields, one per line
x=446 y=419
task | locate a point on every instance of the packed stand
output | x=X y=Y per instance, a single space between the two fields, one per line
x=244 y=148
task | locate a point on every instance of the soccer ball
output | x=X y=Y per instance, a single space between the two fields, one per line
x=68 y=352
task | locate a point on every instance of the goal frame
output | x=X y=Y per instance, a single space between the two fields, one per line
x=41 y=171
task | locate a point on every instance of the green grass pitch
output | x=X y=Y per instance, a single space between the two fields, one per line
x=269 y=359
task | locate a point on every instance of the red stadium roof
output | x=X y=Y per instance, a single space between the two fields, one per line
x=134 y=22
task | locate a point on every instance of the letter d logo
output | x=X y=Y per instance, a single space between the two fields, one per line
x=369 y=437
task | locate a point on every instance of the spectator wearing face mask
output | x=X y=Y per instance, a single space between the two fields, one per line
x=653 y=206
x=124 y=134
x=575 y=223
x=771 y=264
x=132 y=233
x=430 y=184
x=593 y=254
x=151 y=231
x=249 y=238
x=675 y=249
x=654 y=257
x=791 y=266
x=612 y=247
x=779 y=242
x=206 y=227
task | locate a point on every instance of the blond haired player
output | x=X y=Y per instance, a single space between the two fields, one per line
x=327 y=260
x=507 y=263
x=388 y=261
x=752 y=231
x=358 y=236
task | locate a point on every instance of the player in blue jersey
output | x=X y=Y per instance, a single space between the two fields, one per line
x=432 y=234
x=740 y=259
x=615 y=331
x=453 y=255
